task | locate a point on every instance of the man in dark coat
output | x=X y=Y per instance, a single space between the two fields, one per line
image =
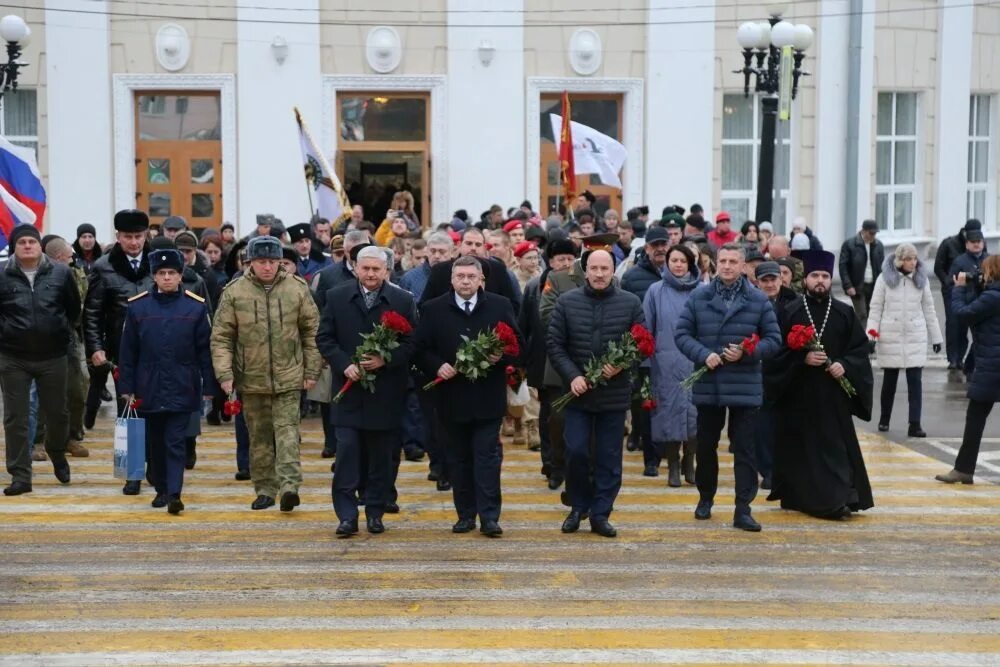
x=39 y=305
x=115 y=278
x=584 y=322
x=861 y=260
x=716 y=320
x=967 y=263
x=818 y=467
x=86 y=248
x=309 y=257
x=367 y=423
x=497 y=278
x=951 y=249
x=475 y=408
x=329 y=277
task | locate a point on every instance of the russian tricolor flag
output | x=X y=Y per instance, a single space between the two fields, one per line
x=22 y=196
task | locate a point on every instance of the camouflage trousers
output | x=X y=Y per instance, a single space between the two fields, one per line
x=273 y=423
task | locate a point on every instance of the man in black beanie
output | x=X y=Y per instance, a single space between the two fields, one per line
x=86 y=247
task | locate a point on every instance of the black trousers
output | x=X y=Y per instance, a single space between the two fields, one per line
x=975 y=422
x=554 y=450
x=16 y=376
x=364 y=460
x=435 y=434
x=474 y=468
x=167 y=449
x=98 y=381
x=914 y=393
x=329 y=430
x=742 y=422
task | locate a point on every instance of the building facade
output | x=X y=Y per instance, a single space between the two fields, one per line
x=186 y=109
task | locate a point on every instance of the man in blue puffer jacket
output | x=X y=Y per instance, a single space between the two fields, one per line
x=715 y=320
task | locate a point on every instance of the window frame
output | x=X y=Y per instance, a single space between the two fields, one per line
x=19 y=139
x=987 y=143
x=890 y=190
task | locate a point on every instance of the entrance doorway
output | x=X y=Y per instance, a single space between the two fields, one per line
x=384 y=148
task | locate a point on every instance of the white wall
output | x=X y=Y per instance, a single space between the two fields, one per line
x=78 y=79
x=486 y=121
x=271 y=179
x=680 y=57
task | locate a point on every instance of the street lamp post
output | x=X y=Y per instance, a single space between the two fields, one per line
x=16 y=33
x=763 y=44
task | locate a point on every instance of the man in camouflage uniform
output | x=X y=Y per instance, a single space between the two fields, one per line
x=264 y=346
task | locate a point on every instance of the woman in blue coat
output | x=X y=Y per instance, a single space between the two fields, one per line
x=166 y=366
x=674 y=419
x=979 y=308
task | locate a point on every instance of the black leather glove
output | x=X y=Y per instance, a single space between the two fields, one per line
x=936 y=347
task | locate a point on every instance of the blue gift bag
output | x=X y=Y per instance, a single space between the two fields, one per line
x=130 y=446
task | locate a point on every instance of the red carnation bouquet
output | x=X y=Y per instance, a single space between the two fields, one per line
x=233 y=406
x=802 y=337
x=748 y=345
x=473 y=357
x=380 y=342
x=646 y=395
x=635 y=345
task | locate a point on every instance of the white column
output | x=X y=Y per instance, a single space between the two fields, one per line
x=78 y=88
x=955 y=28
x=866 y=114
x=270 y=163
x=831 y=59
x=680 y=97
x=486 y=122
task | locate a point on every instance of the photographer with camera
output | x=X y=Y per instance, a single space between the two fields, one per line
x=978 y=305
x=967 y=263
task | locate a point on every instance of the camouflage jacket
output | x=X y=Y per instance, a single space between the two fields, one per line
x=266 y=341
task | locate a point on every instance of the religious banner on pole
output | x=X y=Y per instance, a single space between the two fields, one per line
x=593 y=152
x=567 y=168
x=330 y=202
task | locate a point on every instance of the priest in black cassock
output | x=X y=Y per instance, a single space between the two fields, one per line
x=818 y=468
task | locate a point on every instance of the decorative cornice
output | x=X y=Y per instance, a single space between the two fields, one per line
x=632 y=130
x=124 y=87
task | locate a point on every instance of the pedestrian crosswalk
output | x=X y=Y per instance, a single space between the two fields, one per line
x=94 y=577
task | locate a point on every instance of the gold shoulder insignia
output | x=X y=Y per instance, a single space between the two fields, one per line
x=194 y=296
x=138 y=296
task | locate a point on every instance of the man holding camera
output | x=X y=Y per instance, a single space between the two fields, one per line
x=969 y=264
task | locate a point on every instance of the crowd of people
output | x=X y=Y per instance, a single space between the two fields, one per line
x=437 y=341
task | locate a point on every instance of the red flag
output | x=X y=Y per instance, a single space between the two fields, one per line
x=567 y=168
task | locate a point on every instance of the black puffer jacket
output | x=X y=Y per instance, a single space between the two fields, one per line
x=640 y=277
x=583 y=323
x=81 y=258
x=36 y=322
x=530 y=322
x=112 y=284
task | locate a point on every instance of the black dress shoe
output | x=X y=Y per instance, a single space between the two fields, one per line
x=347 y=527
x=443 y=485
x=413 y=453
x=464 y=526
x=632 y=445
x=704 y=510
x=192 y=458
x=555 y=481
x=391 y=508
x=883 y=427
x=433 y=476
x=159 y=501
x=89 y=418
x=603 y=528
x=375 y=526
x=915 y=431
x=746 y=522
x=242 y=475
x=328 y=453
x=262 y=502
x=17 y=488
x=564 y=499
x=289 y=501
x=105 y=395
x=132 y=487
x=651 y=471
x=61 y=471
x=491 y=529
x=213 y=418
x=572 y=522
x=766 y=483
x=175 y=506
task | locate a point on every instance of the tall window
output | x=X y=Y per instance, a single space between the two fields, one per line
x=19 y=118
x=896 y=190
x=980 y=193
x=741 y=124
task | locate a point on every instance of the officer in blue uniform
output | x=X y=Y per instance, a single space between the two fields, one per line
x=165 y=362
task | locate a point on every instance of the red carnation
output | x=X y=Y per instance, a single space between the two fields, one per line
x=750 y=344
x=136 y=403
x=800 y=336
x=873 y=333
x=511 y=347
x=396 y=322
x=644 y=340
x=232 y=407
x=649 y=404
x=509 y=370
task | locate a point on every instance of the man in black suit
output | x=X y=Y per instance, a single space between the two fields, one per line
x=496 y=277
x=365 y=421
x=475 y=409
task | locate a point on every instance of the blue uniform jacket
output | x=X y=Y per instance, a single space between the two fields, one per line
x=165 y=359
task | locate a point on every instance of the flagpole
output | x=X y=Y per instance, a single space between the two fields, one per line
x=344 y=204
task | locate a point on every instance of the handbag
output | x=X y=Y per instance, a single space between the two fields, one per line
x=130 y=446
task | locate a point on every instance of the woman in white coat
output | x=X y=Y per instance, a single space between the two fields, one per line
x=903 y=319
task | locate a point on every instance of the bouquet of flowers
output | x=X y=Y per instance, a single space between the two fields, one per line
x=802 y=337
x=473 y=357
x=381 y=341
x=748 y=345
x=634 y=346
x=233 y=406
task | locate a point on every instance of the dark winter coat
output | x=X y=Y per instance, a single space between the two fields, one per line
x=967 y=263
x=165 y=359
x=814 y=243
x=583 y=323
x=36 y=322
x=438 y=337
x=326 y=279
x=342 y=323
x=530 y=322
x=981 y=311
x=854 y=258
x=112 y=282
x=81 y=259
x=950 y=249
x=213 y=287
x=640 y=277
x=708 y=326
x=315 y=262
x=498 y=281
